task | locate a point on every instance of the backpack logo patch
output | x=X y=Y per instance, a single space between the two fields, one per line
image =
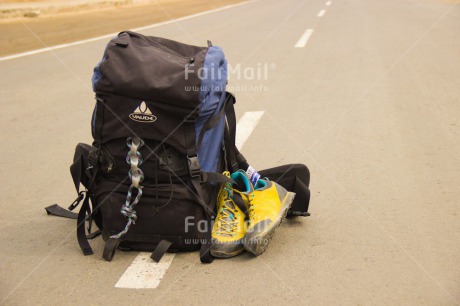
x=143 y=114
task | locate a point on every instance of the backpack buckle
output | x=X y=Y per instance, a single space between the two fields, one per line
x=77 y=201
x=194 y=167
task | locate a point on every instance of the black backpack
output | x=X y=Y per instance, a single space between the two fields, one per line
x=164 y=131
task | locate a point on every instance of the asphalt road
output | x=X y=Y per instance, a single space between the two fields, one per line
x=370 y=103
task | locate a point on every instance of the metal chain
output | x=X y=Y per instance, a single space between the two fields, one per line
x=134 y=159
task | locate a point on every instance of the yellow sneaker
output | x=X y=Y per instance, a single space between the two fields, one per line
x=229 y=226
x=268 y=205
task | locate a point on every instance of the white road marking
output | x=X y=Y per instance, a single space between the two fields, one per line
x=246 y=125
x=321 y=13
x=328 y=3
x=84 y=41
x=304 y=39
x=144 y=273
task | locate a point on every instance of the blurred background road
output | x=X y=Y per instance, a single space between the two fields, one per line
x=365 y=92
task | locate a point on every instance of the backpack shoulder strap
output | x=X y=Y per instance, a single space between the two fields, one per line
x=81 y=231
x=110 y=248
x=216 y=117
x=230 y=134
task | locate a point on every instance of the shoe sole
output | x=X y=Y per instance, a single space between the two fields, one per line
x=222 y=254
x=258 y=245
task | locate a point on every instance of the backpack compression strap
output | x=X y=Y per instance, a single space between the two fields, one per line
x=77 y=169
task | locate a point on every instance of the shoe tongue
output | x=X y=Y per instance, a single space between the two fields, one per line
x=253 y=175
x=242 y=181
x=230 y=205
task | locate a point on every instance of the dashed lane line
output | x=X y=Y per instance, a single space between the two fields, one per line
x=303 y=40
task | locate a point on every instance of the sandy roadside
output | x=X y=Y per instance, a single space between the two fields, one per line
x=25 y=34
x=16 y=9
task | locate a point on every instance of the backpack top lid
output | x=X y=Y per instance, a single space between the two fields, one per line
x=168 y=81
x=150 y=68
